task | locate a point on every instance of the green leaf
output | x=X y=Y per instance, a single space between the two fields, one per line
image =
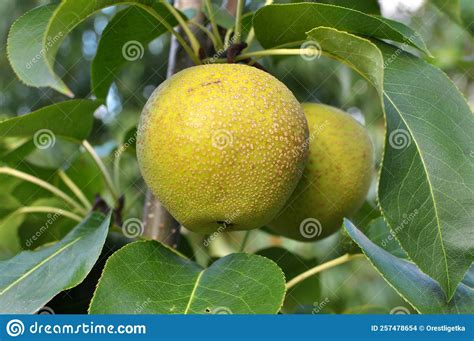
x=381 y=235
x=358 y=53
x=70 y=119
x=305 y=293
x=277 y=25
x=26 y=49
x=17 y=155
x=366 y=6
x=21 y=230
x=125 y=39
x=32 y=278
x=34 y=38
x=426 y=168
x=9 y=240
x=40 y=228
x=130 y=141
x=221 y=15
x=365 y=215
x=469 y=278
x=459 y=11
x=149 y=278
x=421 y=291
x=467 y=15
x=8 y=203
x=452 y=8
x=83 y=172
x=427 y=172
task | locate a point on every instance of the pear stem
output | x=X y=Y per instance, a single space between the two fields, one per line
x=175 y=33
x=270 y=52
x=41 y=183
x=208 y=34
x=244 y=241
x=238 y=21
x=76 y=190
x=48 y=209
x=105 y=173
x=184 y=26
x=215 y=30
x=321 y=267
x=251 y=35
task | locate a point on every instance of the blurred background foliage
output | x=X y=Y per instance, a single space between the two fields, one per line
x=351 y=288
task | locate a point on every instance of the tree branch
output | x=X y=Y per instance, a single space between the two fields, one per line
x=158 y=223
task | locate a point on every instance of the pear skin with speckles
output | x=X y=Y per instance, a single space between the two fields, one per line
x=336 y=179
x=222 y=145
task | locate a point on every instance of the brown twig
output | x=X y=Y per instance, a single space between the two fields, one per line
x=158 y=223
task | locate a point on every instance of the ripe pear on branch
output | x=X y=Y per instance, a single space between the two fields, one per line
x=336 y=179
x=222 y=144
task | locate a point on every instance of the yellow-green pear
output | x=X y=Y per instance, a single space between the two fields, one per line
x=336 y=179
x=222 y=145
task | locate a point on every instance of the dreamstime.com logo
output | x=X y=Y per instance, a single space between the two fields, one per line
x=133 y=228
x=133 y=50
x=15 y=328
x=221 y=311
x=222 y=138
x=310 y=50
x=399 y=139
x=310 y=228
x=44 y=139
x=399 y=311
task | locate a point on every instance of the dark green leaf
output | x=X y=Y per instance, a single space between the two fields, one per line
x=125 y=39
x=359 y=53
x=365 y=215
x=18 y=154
x=427 y=174
x=8 y=203
x=70 y=119
x=40 y=228
x=9 y=239
x=467 y=15
x=460 y=11
x=130 y=141
x=185 y=248
x=469 y=278
x=32 y=278
x=277 y=25
x=366 y=6
x=83 y=172
x=35 y=38
x=380 y=234
x=305 y=293
x=417 y=288
x=149 y=278
x=452 y=8
x=26 y=49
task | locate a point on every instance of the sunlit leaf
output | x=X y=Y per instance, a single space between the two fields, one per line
x=149 y=278
x=27 y=281
x=421 y=291
x=125 y=39
x=277 y=25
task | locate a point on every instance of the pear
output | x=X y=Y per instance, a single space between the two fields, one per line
x=222 y=146
x=336 y=179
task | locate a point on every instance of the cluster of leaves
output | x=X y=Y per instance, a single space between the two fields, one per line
x=430 y=179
